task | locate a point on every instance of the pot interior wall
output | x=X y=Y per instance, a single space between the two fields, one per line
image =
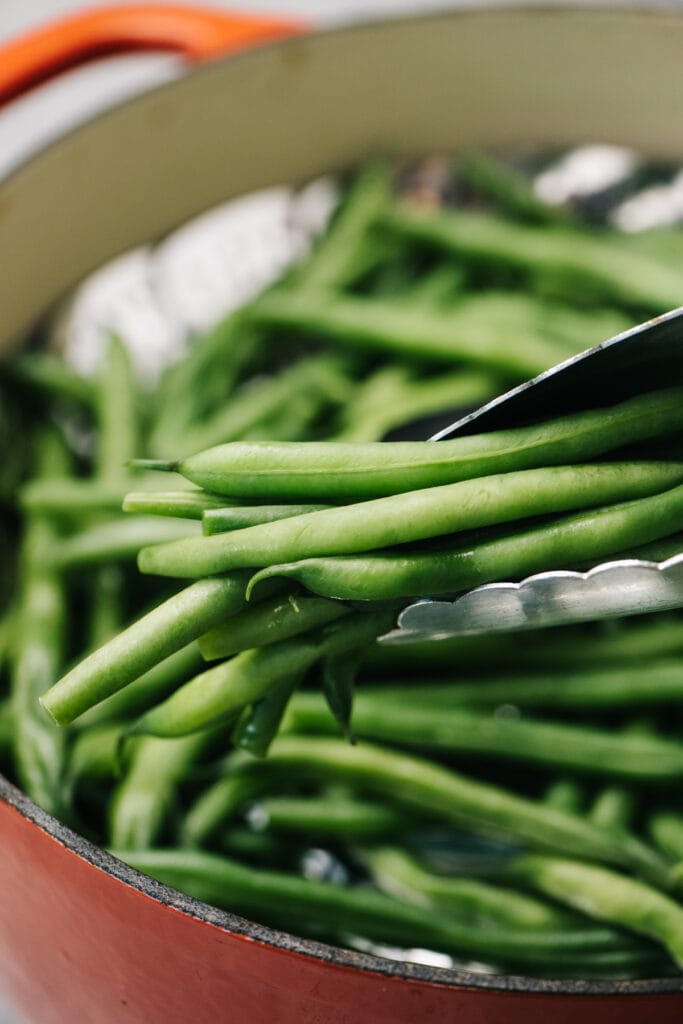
x=289 y=112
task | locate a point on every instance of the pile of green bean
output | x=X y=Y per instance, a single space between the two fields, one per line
x=517 y=806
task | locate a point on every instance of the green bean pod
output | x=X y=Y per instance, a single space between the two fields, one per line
x=223 y=520
x=456 y=731
x=187 y=504
x=581 y=690
x=607 y=896
x=142 y=802
x=401 y=875
x=117 y=541
x=270 y=622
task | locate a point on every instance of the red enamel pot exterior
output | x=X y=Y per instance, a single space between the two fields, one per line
x=82 y=936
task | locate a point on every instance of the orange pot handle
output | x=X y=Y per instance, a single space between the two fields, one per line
x=196 y=33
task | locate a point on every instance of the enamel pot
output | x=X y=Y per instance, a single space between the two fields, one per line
x=83 y=938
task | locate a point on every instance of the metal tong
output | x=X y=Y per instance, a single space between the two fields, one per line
x=647 y=357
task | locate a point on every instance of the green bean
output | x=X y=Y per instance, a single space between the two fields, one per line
x=115 y=541
x=392 y=397
x=599 y=263
x=6 y=727
x=148 y=689
x=558 y=545
x=198 y=384
x=223 y=520
x=219 y=803
x=148 y=641
x=456 y=731
x=348 y=249
x=508 y=333
x=50 y=374
x=267 y=623
x=576 y=690
x=606 y=895
x=259 y=723
x=509 y=190
x=565 y=795
x=95 y=754
x=71 y=498
x=188 y=504
x=613 y=807
x=106 y=599
x=117 y=439
x=297 y=903
x=142 y=802
x=231 y=685
x=666 y=828
x=475 y=806
x=346 y=818
x=438 y=288
x=332 y=470
x=320 y=378
x=415 y=515
x=40 y=748
x=399 y=874
x=339 y=672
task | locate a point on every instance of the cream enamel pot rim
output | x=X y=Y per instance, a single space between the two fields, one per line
x=289 y=112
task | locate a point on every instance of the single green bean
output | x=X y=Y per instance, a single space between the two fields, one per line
x=399 y=874
x=511 y=334
x=117 y=541
x=348 y=249
x=95 y=753
x=346 y=818
x=188 y=504
x=295 y=902
x=456 y=731
x=270 y=622
x=6 y=727
x=392 y=397
x=117 y=414
x=331 y=470
x=151 y=687
x=38 y=652
x=218 y=804
x=223 y=520
x=231 y=685
x=558 y=545
x=576 y=690
x=475 y=806
x=600 y=263
x=415 y=515
x=607 y=896
x=148 y=641
x=259 y=723
x=141 y=804
x=50 y=374
x=71 y=498
x=666 y=828
x=565 y=795
x=508 y=189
